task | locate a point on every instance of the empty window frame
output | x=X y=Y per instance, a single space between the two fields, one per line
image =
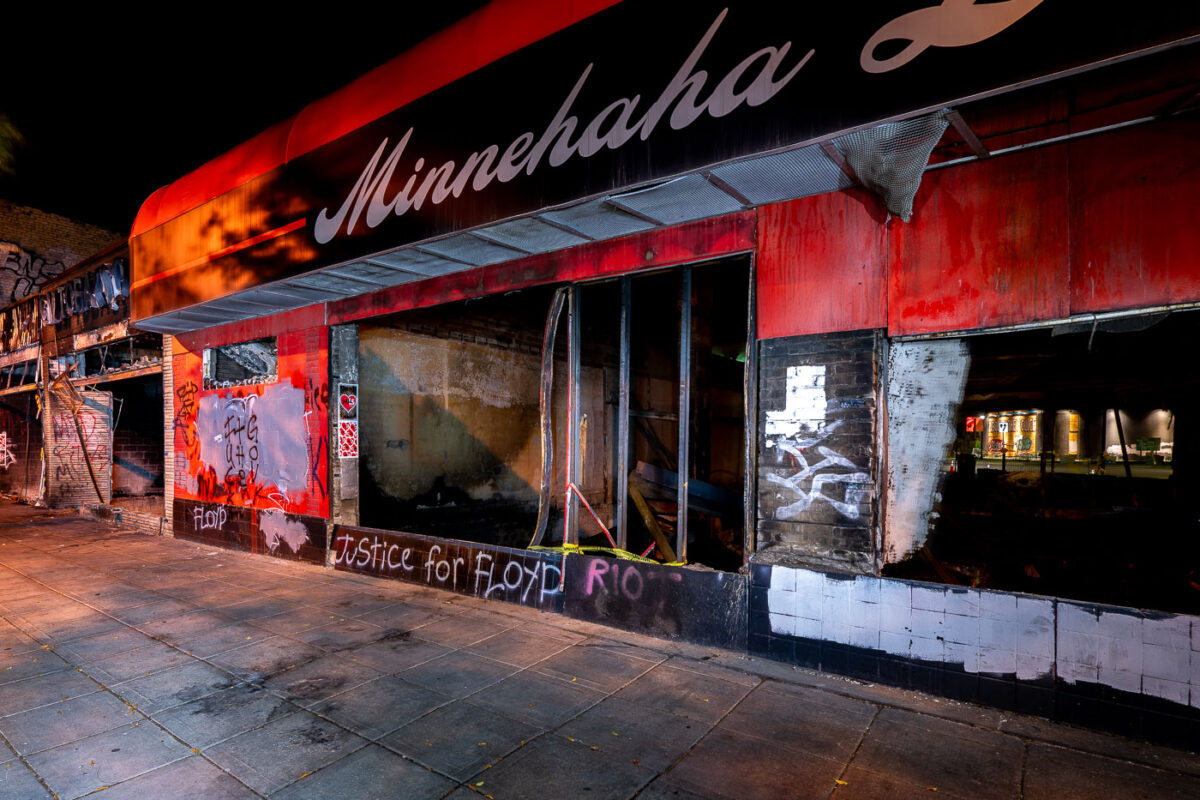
x=241 y=364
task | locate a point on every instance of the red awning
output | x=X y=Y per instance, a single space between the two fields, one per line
x=492 y=32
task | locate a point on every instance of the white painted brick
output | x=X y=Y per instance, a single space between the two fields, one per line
x=1167 y=663
x=1167 y=690
x=963 y=602
x=998 y=634
x=1036 y=627
x=1076 y=619
x=1124 y=655
x=1172 y=632
x=836 y=605
x=958 y=653
x=782 y=624
x=1031 y=667
x=964 y=630
x=836 y=587
x=865 y=589
x=895 y=593
x=835 y=631
x=1078 y=648
x=864 y=637
x=927 y=624
x=928 y=598
x=780 y=602
x=1117 y=625
x=927 y=649
x=897 y=644
x=807 y=628
x=864 y=615
x=895 y=619
x=1120 y=679
x=1072 y=672
x=808 y=603
x=999 y=605
x=783 y=579
x=809 y=582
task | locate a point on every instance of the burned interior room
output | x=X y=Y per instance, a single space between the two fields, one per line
x=1071 y=471
x=454 y=442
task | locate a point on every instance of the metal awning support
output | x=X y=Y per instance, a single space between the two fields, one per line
x=571 y=502
x=685 y=405
x=622 y=521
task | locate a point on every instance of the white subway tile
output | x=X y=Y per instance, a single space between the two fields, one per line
x=929 y=598
x=864 y=637
x=895 y=619
x=864 y=615
x=1167 y=663
x=897 y=644
x=1172 y=632
x=782 y=624
x=1166 y=689
x=895 y=593
x=927 y=624
x=865 y=589
x=1120 y=679
x=963 y=602
x=964 y=630
x=998 y=605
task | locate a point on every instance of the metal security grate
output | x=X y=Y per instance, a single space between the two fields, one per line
x=889 y=159
x=784 y=176
x=471 y=250
x=680 y=200
x=531 y=235
x=598 y=219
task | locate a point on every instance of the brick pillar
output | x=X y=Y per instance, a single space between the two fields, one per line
x=168 y=379
x=817 y=460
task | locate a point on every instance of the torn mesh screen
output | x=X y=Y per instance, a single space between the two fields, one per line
x=890 y=158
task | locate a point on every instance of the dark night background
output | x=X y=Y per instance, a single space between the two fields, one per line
x=114 y=106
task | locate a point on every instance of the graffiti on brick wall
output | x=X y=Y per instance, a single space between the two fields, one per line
x=102 y=287
x=259 y=445
x=69 y=467
x=7 y=459
x=275 y=533
x=514 y=576
x=22 y=271
x=20 y=325
x=799 y=431
x=254 y=445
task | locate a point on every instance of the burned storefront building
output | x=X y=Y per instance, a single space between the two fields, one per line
x=784 y=337
x=81 y=396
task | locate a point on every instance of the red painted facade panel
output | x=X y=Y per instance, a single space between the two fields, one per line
x=694 y=241
x=821 y=265
x=1135 y=239
x=263 y=446
x=987 y=246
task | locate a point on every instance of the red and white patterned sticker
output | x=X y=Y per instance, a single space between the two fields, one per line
x=348 y=438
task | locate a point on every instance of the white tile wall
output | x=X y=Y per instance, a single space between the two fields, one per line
x=994 y=632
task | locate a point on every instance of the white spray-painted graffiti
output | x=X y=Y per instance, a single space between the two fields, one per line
x=801 y=425
x=209 y=519
x=7 y=459
x=278 y=529
x=260 y=438
x=515 y=578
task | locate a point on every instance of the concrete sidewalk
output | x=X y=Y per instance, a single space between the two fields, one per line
x=154 y=668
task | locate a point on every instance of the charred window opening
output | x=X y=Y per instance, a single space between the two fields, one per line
x=20 y=374
x=449 y=418
x=1071 y=469
x=241 y=364
x=450 y=413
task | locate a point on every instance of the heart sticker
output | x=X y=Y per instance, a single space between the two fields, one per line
x=349 y=401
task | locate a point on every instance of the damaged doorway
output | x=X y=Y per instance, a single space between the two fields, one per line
x=1068 y=468
x=455 y=443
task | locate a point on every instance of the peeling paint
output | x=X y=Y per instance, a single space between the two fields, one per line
x=925 y=386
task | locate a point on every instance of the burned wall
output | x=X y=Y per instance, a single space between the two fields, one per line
x=259 y=448
x=69 y=472
x=816 y=449
x=138 y=437
x=20 y=445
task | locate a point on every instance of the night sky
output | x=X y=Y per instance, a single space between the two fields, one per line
x=110 y=110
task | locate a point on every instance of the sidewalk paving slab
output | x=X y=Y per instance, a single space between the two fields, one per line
x=159 y=668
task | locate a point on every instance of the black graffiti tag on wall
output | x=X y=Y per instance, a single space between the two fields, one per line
x=495 y=573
